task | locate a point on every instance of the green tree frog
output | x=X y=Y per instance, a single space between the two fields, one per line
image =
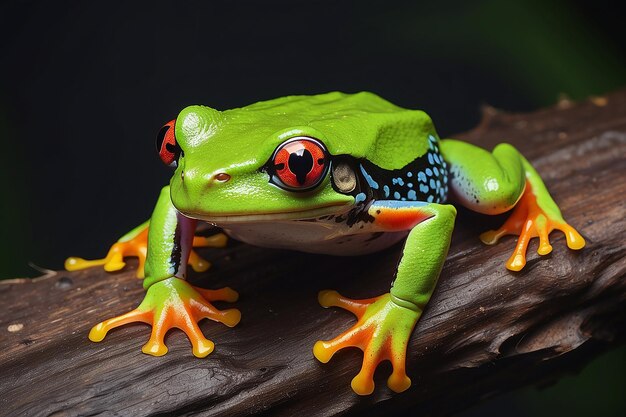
x=341 y=174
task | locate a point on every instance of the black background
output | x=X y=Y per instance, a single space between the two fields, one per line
x=85 y=86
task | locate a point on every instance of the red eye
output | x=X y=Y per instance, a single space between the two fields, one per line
x=299 y=164
x=166 y=145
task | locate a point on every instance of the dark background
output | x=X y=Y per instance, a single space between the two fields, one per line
x=85 y=86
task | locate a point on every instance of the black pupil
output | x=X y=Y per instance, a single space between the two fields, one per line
x=161 y=137
x=300 y=164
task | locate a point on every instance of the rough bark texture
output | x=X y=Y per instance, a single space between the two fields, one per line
x=485 y=331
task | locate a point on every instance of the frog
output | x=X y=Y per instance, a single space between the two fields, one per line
x=333 y=173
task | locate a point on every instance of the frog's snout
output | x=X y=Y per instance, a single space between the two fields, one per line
x=194 y=189
x=195 y=176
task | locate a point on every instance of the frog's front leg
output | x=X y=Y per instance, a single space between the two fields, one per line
x=493 y=183
x=171 y=301
x=385 y=323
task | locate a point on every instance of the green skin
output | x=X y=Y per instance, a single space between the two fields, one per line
x=363 y=126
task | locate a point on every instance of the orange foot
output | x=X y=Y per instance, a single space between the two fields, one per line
x=175 y=303
x=135 y=243
x=530 y=219
x=382 y=332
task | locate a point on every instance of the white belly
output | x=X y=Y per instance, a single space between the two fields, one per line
x=314 y=236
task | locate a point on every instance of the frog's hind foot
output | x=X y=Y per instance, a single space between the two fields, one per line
x=175 y=303
x=135 y=243
x=382 y=332
x=529 y=220
x=114 y=260
x=199 y=264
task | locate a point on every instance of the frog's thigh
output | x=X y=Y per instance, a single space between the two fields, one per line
x=486 y=182
x=425 y=249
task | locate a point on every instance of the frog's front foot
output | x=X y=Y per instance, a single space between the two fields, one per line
x=170 y=303
x=137 y=246
x=529 y=220
x=382 y=332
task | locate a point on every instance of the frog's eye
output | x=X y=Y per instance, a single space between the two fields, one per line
x=166 y=145
x=299 y=164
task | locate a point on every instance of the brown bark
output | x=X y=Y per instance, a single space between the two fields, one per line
x=485 y=331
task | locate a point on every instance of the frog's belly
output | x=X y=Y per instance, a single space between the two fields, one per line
x=313 y=237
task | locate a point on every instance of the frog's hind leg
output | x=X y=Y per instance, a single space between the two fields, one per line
x=496 y=182
x=135 y=243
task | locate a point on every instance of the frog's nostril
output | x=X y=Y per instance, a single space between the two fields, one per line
x=222 y=177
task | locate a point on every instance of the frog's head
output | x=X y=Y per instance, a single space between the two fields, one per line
x=240 y=166
x=296 y=157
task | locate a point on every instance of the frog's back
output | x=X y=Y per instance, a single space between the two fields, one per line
x=362 y=125
x=327 y=104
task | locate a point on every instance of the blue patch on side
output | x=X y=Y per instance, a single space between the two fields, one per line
x=369 y=179
x=421 y=176
x=398 y=204
x=396 y=195
x=412 y=195
x=360 y=197
x=386 y=190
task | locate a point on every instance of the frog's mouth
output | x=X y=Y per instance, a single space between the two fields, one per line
x=292 y=215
